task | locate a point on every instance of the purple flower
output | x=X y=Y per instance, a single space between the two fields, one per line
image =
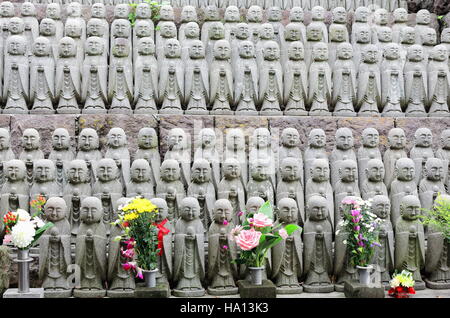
x=375 y=244
x=355 y=213
x=240 y=213
x=225 y=222
x=357 y=228
x=361 y=243
x=360 y=237
x=225 y=247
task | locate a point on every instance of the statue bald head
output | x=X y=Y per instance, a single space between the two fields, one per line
x=222 y=211
x=31 y=139
x=287 y=210
x=55 y=209
x=317 y=208
x=381 y=206
x=91 y=210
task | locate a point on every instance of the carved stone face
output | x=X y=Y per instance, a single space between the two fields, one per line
x=211 y=13
x=392 y=51
x=320 y=52
x=320 y=170
x=28 y=9
x=445 y=139
x=107 y=170
x=274 y=14
x=121 y=11
x=439 y=53
x=95 y=27
x=344 y=139
x=168 y=30
x=147 y=138
x=143 y=11
x=317 y=138
x=242 y=31
x=143 y=29
x=287 y=211
x=415 y=53
x=348 y=171
x=384 y=34
x=146 y=46
x=91 y=210
x=339 y=15
x=235 y=139
x=381 y=206
x=53 y=11
x=7 y=9
x=207 y=138
x=41 y=46
x=423 y=17
x=197 y=50
x=246 y=49
x=120 y=48
x=397 y=138
x=261 y=137
x=231 y=169
x=60 y=139
x=4 y=139
x=177 y=139
x=88 y=140
x=16 y=25
x=31 y=139
x=370 y=138
x=370 y=54
x=172 y=49
x=163 y=210
x=313 y=33
x=188 y=13
x=271 y=51
x=47 y=27
x=67 y=47
x=232 y=14
x=44 y=170
x=400 y=15
x=296 y=51
x=410 y=208
x=260 y=171
x=222 y=211
x=73 y=29
x=116 y=138
x=216 y=31
x=363 y=35
x=192 y=30
x=375 y=170
x=296 y=14
x=292 y=32
x=290 y=137
x=190 y=209
x=429 y=37
x=407 y=35
x=222 y=50
x=201 y=171
x=98 y=10
x=77 y=171
x=55 y=209
x=423 y=137
x=170 y=170
x=318 y=13
x=338 y=33
x=405 y=169
x=318 y=208
x=16 y=45
x=140 y=171
x=266 y=31
x=381 y=16
x=345 y=51
x=15 y=170
x=74 y=9
x=166 y=13
x=253 y=204
x=254 y=14
x=290 y=170
x=434 y=169
x=445 y=36
x=121 y=29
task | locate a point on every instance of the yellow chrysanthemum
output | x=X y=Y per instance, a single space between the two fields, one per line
x=130 y=216
x=139 y=205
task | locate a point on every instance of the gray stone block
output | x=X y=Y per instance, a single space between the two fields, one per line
x=353 y=289
x=160 y=291
x=14 y=293
x=266 y=290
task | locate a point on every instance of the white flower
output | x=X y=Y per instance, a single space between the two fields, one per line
x=341 y=223
x=337 y=232
x=22 y=215
x=22 y=234
x=394 y=282
x=345 y=242
x=38 y=222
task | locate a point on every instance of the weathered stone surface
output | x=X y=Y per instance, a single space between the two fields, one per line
x=353 y=289
x=5 y=121
x=45 y=125
x=160 y=291
x=5 y=263
x=266 y=290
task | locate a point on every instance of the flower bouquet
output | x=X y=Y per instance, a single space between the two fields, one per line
x=402 y=285
x=142 y=237
x=256 y=236
x=362 y=228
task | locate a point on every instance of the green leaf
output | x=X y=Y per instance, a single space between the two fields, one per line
x=291 y=228
x=117 y=238
x=266 y=209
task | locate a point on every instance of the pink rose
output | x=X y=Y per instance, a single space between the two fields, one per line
x=283 y=233
x=261 y=220
x=248 y=239
x=7 y=239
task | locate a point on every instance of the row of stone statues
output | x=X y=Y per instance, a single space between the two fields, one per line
x=390 y=5
x=307 y=257
x=230 y=175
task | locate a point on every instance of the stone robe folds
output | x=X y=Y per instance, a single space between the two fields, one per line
x=344 y=86
x=343 y=270
x=108 y=193
x=318 y=256
x=416 y=87
x=295 y=86
x=68 y=85
x=409 y=252
x=120 y=84
x=91 y=257
x=271 y=86
x=145 y=83
x=287 y=260
x=189 y=256
x=319 y=94
x=171 y=85
x=428 y=191
x=237 y=201
x=42 y=83
x=54 y=257
x=384 y=254
x=153 y=158
x=438 y=88
x=295 y=191
x=437 y=262
x=16 y=84
x=118 y=278
x=74 y=202
x=390 y=157
x=173 y=205
x=20 y=202
x=397 y=192
x=91 y=157
x=94 y=88
x=221 y=270
x=369 y=89
x=208 y=196
x=392 y=89
x=196 y=90
x=221 y=85
x=322 y=189
x=246 y=84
